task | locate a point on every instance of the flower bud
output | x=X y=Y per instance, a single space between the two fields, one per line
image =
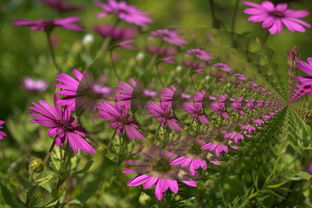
x=102 y=148
x=140 y=56
x=37 y=165
x=87 y=40
x=144 y=198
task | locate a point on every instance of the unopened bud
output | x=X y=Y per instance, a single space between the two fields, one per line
x=37 y=165
x=144 y=198
x=87 y=40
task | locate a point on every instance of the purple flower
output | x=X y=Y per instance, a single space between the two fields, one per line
x=125 y=92
x=235 y=136
x=274 y=17
x=200 y=54
x=115 y=33
x=155 y=169
x=120 y=119
x=217 y=148
x=219 y=107
x=60 y=5
x=237 y=106
x=258 y=122
x=306 y=67
x=167 y=95
x=251 y=104
x=240 y=77
x=61 y=125
x=48 y=25
x=193 y=163
x=101 y=90
x=2 y=134
x=196 y=111
x=34 y=85
x=222 y=66
x=161 y=51
x=248 y=128
x=125 y=12
x=164 y=115
x=149 y=93
x=309 y=169
x=168 y=36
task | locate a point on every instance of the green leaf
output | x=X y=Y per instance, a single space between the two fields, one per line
x=43 y=180
x=277 y=185
x=89 y=190
x=10 y=198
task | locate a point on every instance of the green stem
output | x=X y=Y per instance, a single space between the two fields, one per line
x=266 y=37
x=46 y=158
x=113 y=65
x=51 y=50
x=213 y=14
x=234 y=19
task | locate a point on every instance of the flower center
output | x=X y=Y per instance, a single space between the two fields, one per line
x=162 y=165
x=278 y=14
x=194 y=149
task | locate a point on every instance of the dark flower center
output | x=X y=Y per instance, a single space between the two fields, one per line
x=65 y=125
x=162 y=165
x=278 y=14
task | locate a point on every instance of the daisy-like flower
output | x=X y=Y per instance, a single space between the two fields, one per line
x=248 y=128
x=237 y=106
x=125 y=92
x=274 y=17
x=81 y=91
x=215 y=147
x=48 y=25
x=219 y=107
x=199 y=54
x=115 y=33
x=306 y=67
x=154 y=169
x=197 y=66
x=309 y=169
x=120 y=119
x=240 y=77
x=164 y=115
x=222 y=66
x=168 y=36
x=61 y=6
x=195 y=109
x=258 y=122
x=251 y=104
x=125 y=12
x=167 y=95
x=34 y=85
x=161 y=51
x=61 y=125
x=2 y=134
x=235 y=136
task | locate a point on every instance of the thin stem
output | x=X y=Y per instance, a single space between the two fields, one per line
x=266 y=37
x=46 y=158
x=58 y=69
x=113 y=65
x=111 y=140
x=234 y=19
x=213 y=14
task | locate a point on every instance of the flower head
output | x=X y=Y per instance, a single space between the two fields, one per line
x=34 y=85
x=196 y=111
x=61 y=125
x=199 y=54
x=125 y=12
x=48 y=25
x=219 y=107
x=274 y=17
x=154 y=169
x=164 y=115
x=235 y=136
x=115 y=33
x=168 y=36
x=222 y=66
x=60 y=5
x=2 y=134
x=120 y=119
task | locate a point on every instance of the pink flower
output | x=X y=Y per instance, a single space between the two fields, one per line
x=2 y=134
x=155 y=169
x=240 y=77
x=61 y=125
x=68 y=88
x=168 y=36
x=309 y=169
x=125 y=92
x=258 y=122
x=235 y=136
x=61 y=6
x=48 y=25
x=251 y=104
x=248 y=128
x=306 y=67
x=217 y=148
x=222 y=66
x=167 y=95
x=219 y=107
x=34 y=85
x=164 y=115
x=125 y=12
x=115 y=33
x=193 y=164
x=274 y=17
x=120 y=119
x=237 y=106
x=161 y=51
x=199 y=53
x=196 y=111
